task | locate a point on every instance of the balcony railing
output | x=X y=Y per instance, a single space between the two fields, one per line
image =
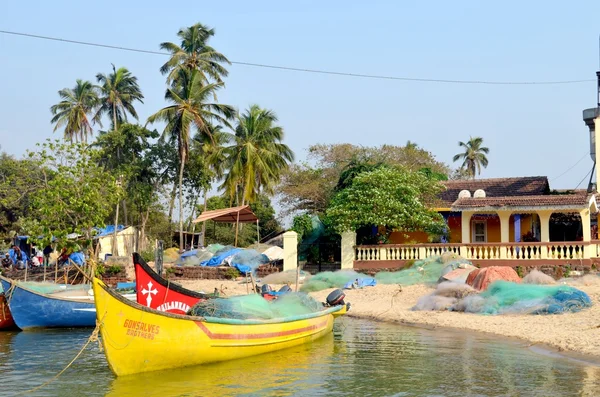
x=563 y=250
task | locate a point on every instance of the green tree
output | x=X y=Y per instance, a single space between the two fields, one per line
x=126 y=152
x=212 y=150
x=75 y=111
x=473 y=157
x=309 y=186
x=190 y=109
x=78 y=198
x=19 y=179
x=257 y=158
x=194 y=53
x=388 y=196
x=119 y=90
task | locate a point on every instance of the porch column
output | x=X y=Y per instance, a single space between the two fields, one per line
x=545 y=231
x=290 y=251
x=465 y=226
x=348 y=244
x=545 y=225
x=504 y=231
x=587 y=233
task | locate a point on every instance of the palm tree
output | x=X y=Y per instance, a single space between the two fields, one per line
x=194 y=53
x=190 y=109
x=119 y=91
x=74 y=109
x=473 y=157
x=257 y=157
x=214 y=151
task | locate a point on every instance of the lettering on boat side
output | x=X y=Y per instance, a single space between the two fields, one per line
x=141 y=329
x=175 y=306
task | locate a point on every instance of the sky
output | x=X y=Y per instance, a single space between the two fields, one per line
x=530 y=130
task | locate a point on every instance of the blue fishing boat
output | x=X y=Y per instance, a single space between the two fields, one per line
x=55 y=307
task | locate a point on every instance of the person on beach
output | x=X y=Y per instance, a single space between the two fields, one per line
x=6 y=262
x=18 y=257
x=47 y=251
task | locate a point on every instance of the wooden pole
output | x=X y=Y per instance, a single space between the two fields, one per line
x=56 y=271
x=26 y=266
x=257 y=234
x=253 y=285
x=297 y=277
x=44 y=264
x=237 y=226
x=247 y=283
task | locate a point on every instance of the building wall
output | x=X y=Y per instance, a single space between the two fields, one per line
x=455 y=229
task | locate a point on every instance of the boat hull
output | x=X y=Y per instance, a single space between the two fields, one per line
x=6 y=319
x=138 y=339
x=31 y=309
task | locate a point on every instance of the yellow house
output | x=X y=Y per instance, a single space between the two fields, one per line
x=524 y=205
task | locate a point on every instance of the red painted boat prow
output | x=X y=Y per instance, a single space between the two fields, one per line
x=6 y=319
x=157 y=293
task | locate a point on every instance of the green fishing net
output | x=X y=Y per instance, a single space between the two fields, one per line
x=254 y=306
x=426 y=271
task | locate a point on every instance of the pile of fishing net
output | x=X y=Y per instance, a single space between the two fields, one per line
x=286 y=277
x=504 y=297
x=255 y=307
x=194 y=257
x=426 y=271
x=480 y=279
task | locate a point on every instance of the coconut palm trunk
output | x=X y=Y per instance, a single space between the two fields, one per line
x=181 y=165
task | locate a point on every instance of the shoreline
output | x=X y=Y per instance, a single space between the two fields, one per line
x=543 y=349
x=571 y=335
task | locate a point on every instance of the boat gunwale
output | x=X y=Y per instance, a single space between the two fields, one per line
x=138 y=260
x=47 y=296
x=215 y=320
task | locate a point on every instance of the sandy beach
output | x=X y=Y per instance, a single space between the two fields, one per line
x=573 y=332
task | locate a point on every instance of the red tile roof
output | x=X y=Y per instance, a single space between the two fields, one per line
x=574 y=201
x=496 y=187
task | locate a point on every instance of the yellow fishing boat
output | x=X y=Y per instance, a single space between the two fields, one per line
x=139 y=339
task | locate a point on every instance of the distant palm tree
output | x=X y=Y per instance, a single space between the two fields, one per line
x=194 y=53
x=473 y=157
x=119 y=90
x=190 y=108
x=257 y=157
x=74 y=109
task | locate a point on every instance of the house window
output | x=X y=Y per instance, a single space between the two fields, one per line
x=479 y=232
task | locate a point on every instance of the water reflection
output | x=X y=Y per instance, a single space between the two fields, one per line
x=283 y=373
x=361 y=358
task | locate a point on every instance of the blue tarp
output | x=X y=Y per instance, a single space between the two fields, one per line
x=13 y=256
x=248 y=260
x=78 y=258
x=361 y=283
x=108 y=230
x=217 y=260
x=189 y=253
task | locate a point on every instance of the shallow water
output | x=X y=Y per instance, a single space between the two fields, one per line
x=361 y=358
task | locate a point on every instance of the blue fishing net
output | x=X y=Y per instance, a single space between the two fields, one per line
x=506 y=297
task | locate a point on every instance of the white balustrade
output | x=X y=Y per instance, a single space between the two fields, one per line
x=483 y=251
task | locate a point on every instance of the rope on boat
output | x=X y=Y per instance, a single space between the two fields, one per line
x=93 y=338
x=8 y=294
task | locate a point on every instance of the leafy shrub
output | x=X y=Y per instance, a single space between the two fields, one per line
x=148 y=255
x=231 y=273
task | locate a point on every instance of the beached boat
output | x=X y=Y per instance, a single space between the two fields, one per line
x=33 y=307
x=155 y=292
x=48 y=305
x=139 y=339
x=6 y=320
